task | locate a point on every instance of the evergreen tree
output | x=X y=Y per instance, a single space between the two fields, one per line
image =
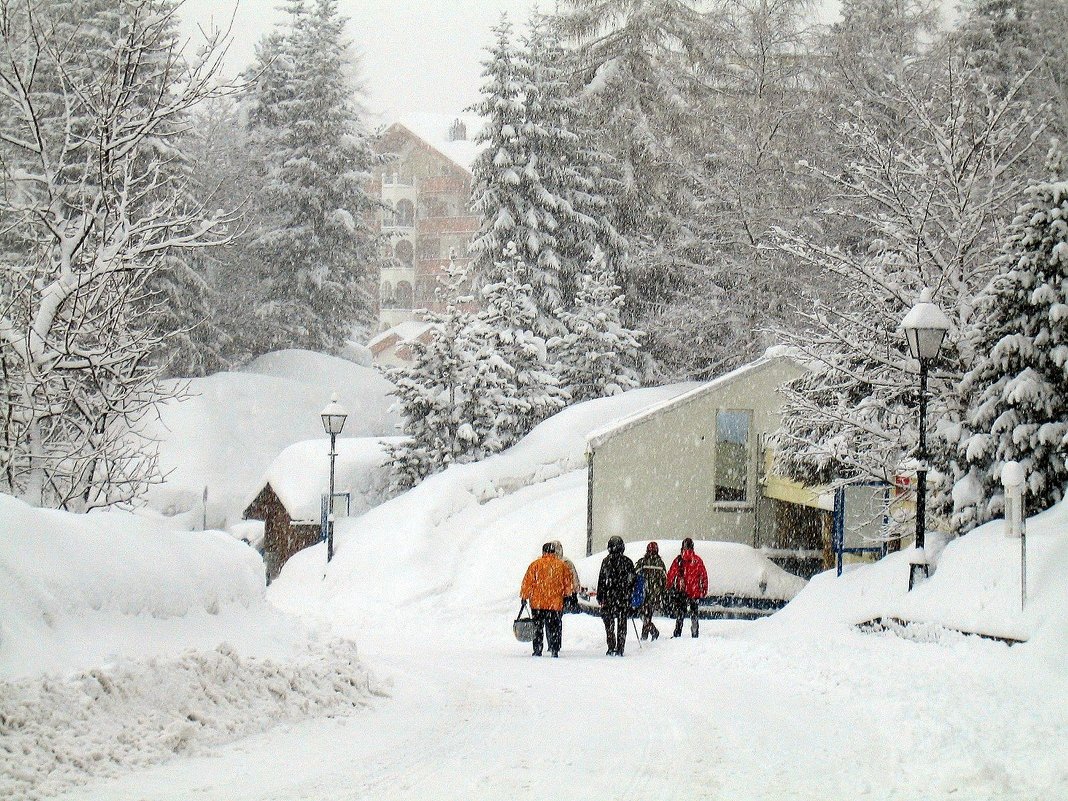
x=645 y=71
x=535 y=181
x=506 y=328
x=1017 y=391
x=1007 y=38
x=598 y=354
x=318 y=250
x=569 y=194
x=449 y=395
x=497 y=171
x=758 y=121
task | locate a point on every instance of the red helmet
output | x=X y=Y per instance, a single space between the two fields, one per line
x=652 y=547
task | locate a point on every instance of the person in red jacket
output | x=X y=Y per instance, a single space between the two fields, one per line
x=690 y=579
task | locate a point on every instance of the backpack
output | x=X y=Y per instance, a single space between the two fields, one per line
x=637 y=595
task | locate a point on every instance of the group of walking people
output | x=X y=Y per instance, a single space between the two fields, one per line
x=551 y=584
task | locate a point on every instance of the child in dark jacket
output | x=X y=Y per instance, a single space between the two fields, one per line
x=651 y=568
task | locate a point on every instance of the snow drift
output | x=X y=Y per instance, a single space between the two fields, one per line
x=233 y=426
x=123 y=643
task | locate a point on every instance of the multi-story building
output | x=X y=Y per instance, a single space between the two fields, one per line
x=426 y=189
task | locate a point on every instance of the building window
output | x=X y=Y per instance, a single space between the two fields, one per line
x=404 y=295
x=733 y=428
x=386 y=295
x=405 y=213
x=405 y=252
x=424 y=292
x=430 y=249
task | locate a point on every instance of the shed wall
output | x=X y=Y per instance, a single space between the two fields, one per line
x=654 y=479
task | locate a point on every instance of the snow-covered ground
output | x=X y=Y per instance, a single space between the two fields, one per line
x=442 y=702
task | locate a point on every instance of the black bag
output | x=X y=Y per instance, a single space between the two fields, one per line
x=523 y=627
x=675 y=597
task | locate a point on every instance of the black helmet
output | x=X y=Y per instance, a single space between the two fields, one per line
x=615 y=545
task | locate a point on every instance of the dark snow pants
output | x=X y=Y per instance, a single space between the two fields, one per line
x=551 y=621
x=615 y=628
x=688 y=606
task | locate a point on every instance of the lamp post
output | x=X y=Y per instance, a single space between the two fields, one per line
x=333 y=421
x=925 y=329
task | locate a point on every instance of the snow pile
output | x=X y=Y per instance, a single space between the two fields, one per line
x=123 y=643
x=975 y=588
x=225 y=436
x=733 y=569
x=108 y=576
x=301 y=474
x=58 y=732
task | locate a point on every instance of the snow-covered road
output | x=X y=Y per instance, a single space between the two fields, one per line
x=744 y=712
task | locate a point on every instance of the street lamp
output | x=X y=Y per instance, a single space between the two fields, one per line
x=925 y=329
x=333 y=421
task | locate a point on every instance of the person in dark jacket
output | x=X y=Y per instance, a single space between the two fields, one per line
x=689 y=579
x=651 y=568
x=614 y=585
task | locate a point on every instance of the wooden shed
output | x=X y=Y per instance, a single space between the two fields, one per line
x=282 y=535
x=697 y=466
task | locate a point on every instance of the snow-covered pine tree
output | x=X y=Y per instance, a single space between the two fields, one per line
x=566 y=176
x=598 y=355
x=1017 y=391
x=645 y=71
x=448 y=397
x=496 y=192
x=1004 y=39
x=506 y=329
x=318 y=249
x=757 y=121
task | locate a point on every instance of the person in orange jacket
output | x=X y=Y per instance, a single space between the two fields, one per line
x=689 y=579
x=545 y=585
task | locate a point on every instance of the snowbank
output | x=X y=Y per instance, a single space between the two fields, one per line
x=227 y=434
x=58 y=732
x=976 y=588
x=75 y=588
x=123 y=643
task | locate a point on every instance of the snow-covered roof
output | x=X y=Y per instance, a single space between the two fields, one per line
x=301 y=474
x=408 y=331
x=434 y=130
x=596 y=439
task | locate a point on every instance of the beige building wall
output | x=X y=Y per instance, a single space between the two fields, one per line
x=653 y=477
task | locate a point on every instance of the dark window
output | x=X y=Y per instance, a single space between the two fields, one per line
x=732 y=455
x=405 y=252
x=404 y=295
x=405 y=213
x=430 y=249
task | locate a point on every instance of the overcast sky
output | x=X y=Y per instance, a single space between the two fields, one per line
x=417 y=55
